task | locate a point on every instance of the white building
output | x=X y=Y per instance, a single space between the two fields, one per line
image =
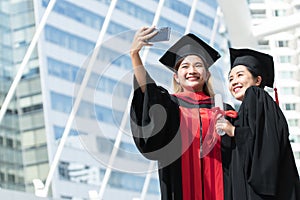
x=284 y=45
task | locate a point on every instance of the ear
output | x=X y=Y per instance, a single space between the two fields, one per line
x=208 y=75
x=176 y=77
x=258 y=81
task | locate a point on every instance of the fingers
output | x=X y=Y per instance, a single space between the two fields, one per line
x=225 y=126
x=220 y=126
x=147 y=30
x=140 y=38
x=219 y=115
x=145 y=33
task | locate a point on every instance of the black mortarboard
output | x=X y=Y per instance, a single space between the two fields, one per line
x=260 y=63
x=189 y=45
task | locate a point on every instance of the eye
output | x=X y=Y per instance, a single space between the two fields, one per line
x=230 y=79
x=184 y=66
x=198 y=65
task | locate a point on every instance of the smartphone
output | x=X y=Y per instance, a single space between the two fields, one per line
x=162 y=35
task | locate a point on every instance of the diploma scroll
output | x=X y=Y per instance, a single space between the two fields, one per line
x=219 y=103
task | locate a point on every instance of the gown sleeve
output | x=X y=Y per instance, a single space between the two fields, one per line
x=261 y=136
x=154 y=120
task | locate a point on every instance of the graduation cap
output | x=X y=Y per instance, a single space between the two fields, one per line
x=189 y=44
x=259 y=63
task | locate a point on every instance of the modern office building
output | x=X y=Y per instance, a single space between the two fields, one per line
x=98 y=154
x=22 y=134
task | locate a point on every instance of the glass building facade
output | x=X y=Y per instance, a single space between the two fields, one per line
x=37 y=116
x=22 y=135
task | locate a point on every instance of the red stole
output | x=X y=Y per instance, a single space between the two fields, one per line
x=202 y=175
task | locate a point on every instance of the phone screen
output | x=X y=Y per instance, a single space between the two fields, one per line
x=162 y=35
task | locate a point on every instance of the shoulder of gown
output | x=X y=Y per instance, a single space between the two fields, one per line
x=262 y=141
x=154 y=120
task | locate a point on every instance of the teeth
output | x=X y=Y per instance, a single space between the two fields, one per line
x=236 y=89
x=192 y=78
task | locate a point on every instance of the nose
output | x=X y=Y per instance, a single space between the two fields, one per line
x=192 y=70
x=233 y=82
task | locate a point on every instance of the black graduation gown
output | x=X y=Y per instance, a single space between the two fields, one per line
x=262 y=165
x=156 y=135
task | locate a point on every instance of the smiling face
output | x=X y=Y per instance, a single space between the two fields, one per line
x=192 y=74
x=240 y=78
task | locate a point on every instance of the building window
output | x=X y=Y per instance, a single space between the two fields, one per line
x=11 y=178
x=132 y=182
x=104 y=145
x=297 y=155
x=32 y=108
x=279 y=12
x=85 y=16
x=178 y=6
x=115 y=28
x=295 y=139
x=204 y=19
x=2 y=177
x=288 y=90
x=58 y=132
x=135 y=11
x=290 y=106
x=284 y=59
x=67 y=40
x=263 y=44
x=213 y=3
x=285 y=75
x=258 y=13
x=107 y=2
x=282 y=43
x=79 y=173
x=77 y=13
x=9 y=142
x=75 y=74
x=293 y=122
x=63 y=103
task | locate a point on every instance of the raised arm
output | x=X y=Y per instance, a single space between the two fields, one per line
x=139 y=40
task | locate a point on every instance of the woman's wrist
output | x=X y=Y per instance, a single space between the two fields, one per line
x=134 y=53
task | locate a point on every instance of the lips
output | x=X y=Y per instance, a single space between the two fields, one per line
x=236 y=89
x=192 y=78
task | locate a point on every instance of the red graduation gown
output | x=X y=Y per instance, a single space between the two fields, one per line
x=171 y=129
x=202 y=175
